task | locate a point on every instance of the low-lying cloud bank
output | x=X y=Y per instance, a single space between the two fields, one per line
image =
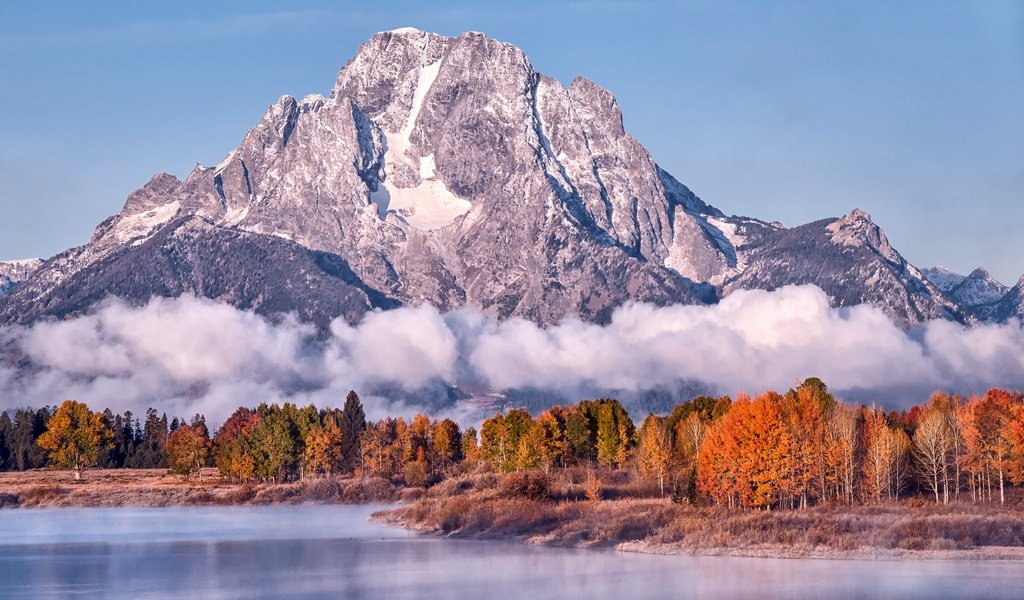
x=190 y=355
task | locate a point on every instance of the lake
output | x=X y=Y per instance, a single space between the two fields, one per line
x=334 y=552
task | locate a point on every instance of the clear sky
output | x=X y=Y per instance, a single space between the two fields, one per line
x=790 y=111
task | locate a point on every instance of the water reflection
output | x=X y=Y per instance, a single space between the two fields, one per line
x=332 y=552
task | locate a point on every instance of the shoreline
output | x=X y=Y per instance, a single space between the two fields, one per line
x=638 y=525
x=42 y=488
x=985 y=553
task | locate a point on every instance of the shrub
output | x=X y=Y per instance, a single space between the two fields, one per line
x=368 y=489
x=415 y=474
x=592 y=487
x=533 y=485
x=320 y=490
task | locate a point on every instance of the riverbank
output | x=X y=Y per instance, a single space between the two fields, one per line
x=44 y=488
x=483 y=506
x=473 y=507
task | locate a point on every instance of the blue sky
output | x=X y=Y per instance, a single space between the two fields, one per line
x=912 y=111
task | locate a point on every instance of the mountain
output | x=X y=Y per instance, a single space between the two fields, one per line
x=851 y=260
x=976 y=293
x=1011 y=305
x=448 y=170
x=13 y=272
x=943 y=278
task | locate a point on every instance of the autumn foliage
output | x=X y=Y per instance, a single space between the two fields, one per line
x=74 y=437
x=794 y=450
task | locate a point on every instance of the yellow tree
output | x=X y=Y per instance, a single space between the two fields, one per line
x=689 y=435
x=654 y=452
x=470 y=446
x=74 y=437
x=885 y=450
x=875 y=467
x=187 y=450
x=1013 y=434
x=375 y=446
x=805 y=420
x=551 y=439
x=323 y=452
x=445 y=445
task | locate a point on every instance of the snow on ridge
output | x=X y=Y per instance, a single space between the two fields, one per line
x=22 y=262
x=943 y=278
x=404 y=31
x=139 y=226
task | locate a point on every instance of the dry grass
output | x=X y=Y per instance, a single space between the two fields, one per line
x=920 y=530
x=156 y=487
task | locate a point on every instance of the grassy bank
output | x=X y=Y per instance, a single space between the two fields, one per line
x=44 y=488
x=482 y=506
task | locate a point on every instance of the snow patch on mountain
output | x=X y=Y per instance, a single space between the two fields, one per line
x=136 y=227
x=430 y=204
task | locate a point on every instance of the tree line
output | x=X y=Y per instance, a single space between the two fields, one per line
x=132 y=442
x=790 y=450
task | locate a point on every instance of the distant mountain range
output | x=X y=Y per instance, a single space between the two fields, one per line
x=447 y=170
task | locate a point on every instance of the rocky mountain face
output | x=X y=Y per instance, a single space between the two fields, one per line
x=1010 y=305
x=448 y=170
x=13 y=272
x=851 y=260
x=977 y=293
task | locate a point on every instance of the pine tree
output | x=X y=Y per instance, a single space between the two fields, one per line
x=353 y=423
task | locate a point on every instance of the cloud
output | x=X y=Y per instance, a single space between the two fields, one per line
x=189 y=355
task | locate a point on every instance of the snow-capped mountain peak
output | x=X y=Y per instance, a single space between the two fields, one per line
x=978 y=288
x=943 y=278
x=448 y=170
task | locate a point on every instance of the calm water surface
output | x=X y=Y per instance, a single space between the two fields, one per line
x=333 y=552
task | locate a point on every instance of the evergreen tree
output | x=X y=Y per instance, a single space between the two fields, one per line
x=6 y=425
x=353 y=423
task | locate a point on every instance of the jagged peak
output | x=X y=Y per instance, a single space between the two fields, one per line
x=943 y=270
x=588 y=96
x=982 y=274
x=856 y=216
x=857 y=229
x=162 y=178
x=856 y=226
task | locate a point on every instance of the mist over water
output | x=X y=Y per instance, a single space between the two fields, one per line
x=188 y=355
x=332 y=552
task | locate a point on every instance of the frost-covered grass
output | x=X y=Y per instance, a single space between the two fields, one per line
x=475 y=506
x=44 y=488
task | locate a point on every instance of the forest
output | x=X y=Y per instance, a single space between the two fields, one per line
x=778 y=451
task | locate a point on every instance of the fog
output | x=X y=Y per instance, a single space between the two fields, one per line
x=189 y=355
